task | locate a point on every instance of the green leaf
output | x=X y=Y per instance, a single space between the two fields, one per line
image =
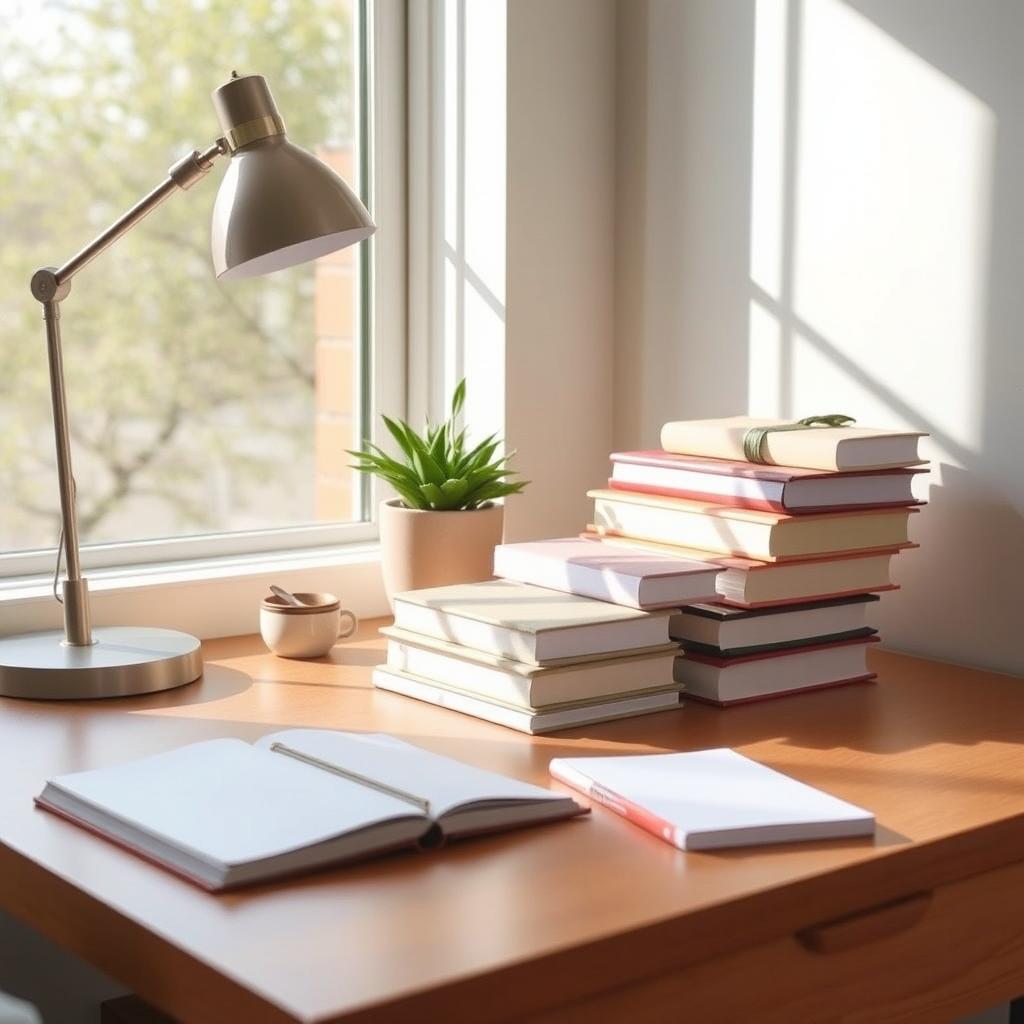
x=439 y=445
x=471 y=459
x=433 y=494
x=410 y=495
x=488 y=492
x=458 y=398
x=455 y=490
x=400 y=432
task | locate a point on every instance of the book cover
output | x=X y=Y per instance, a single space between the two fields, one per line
x=826 y=448
x=765 y=536
x=516 y=606
x=766 y=488
x=635 y=578
x=711 y=799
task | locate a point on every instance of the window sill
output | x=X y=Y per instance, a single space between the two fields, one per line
x=206 y=597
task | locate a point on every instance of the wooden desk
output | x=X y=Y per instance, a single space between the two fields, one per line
x=586 y=920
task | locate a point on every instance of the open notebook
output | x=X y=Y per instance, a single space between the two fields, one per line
x=224 y=813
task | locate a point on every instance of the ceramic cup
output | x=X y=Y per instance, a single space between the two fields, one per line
x=306 y=632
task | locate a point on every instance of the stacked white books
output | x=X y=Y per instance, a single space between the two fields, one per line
x=531 y=658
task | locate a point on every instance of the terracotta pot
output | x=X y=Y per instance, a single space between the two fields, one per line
x=423 y=548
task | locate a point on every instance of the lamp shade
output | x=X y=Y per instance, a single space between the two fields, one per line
x=278 y=205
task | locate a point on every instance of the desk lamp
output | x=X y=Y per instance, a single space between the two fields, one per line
x=277 y=206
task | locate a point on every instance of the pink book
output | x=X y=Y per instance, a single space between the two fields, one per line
x=619 y=575
x=768 y=488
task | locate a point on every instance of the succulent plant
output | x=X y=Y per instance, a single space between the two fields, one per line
x=438 y=472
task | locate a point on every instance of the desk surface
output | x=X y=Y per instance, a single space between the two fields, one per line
x=508 y=924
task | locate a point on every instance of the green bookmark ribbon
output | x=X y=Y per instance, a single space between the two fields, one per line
x=754 y=438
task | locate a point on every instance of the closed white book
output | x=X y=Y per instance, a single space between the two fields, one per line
x=527 y=623
x=224 y=812
x=529 y=686
x=533 y=721
x=631 y=578
x=712 y=799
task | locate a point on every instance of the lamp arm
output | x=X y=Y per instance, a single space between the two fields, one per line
x=51 y=286
x=183 y=174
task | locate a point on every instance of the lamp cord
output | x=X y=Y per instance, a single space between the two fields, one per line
x=60 y=547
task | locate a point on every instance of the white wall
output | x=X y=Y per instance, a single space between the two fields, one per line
x=513 y=270
x=819 y=210
x=560 y=253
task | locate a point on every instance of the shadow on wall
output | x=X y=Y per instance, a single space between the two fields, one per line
x=819 y=213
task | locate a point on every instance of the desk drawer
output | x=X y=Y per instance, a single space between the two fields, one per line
x=932 y=957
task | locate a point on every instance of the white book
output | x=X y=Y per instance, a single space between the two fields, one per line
x=526 y=623
x=533 y=721
x=730 y=680
x=224 y=813
x=712 y=799
x=529 y=686
x=632 y=578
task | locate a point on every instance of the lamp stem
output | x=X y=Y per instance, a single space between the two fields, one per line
x=77 y=628
x=51 y=285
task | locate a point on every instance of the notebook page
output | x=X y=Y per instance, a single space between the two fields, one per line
x=446 y=783
x=228 y=802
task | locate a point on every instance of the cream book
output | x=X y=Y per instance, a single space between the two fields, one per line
x=529 y=687
x=527 y=623
x=765 y=536
x=825 y=448
x=225 y=813
x=528 y=720
x=712 y=799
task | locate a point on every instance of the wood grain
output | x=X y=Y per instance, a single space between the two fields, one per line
x=516 y=924
x=964 y=952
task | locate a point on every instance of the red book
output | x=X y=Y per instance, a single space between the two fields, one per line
x=769 y=488
x=748 y=583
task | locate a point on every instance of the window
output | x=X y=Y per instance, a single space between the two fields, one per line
x=215 y=416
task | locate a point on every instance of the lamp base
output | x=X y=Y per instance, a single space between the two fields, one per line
x=124 y=660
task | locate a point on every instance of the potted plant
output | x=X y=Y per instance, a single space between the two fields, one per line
x=443 y=526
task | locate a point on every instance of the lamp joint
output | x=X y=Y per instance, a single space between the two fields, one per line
x=47 y=286
x=189 y=169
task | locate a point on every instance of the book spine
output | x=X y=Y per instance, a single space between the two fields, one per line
x=777 y=694
x=633 y=813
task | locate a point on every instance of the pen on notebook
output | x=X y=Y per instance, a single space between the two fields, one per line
x=346 y=773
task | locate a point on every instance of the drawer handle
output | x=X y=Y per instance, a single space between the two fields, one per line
x=865 y=925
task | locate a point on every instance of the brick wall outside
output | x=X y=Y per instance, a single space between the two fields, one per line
x=335 y=325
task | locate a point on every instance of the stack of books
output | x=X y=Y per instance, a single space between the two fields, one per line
x=804 y=523
x=532 y=658
x=757 y=559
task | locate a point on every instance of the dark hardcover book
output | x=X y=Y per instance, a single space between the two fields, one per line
x=784 y=645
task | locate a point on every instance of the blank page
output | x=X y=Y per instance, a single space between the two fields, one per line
x=228 y=802
x=444 y=782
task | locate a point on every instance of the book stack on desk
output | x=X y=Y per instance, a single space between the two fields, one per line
x=530 y=658
x=804 y=545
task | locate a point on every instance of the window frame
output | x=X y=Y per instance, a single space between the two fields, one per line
x=381 y=356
